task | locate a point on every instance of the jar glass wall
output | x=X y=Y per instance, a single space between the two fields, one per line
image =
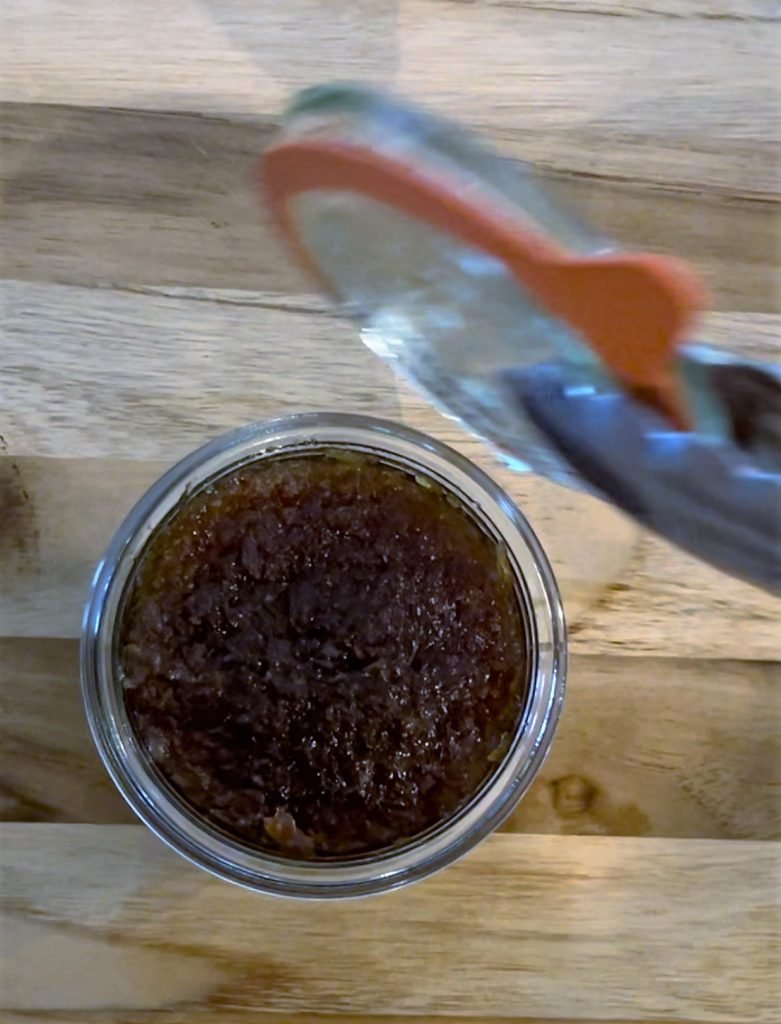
x=168 y=814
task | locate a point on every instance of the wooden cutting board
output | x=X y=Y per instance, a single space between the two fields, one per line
x=145 y=307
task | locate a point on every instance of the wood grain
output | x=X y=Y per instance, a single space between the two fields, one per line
x=652 y=772
x=514 y=67
x=115 y=196
x=148 y=374
x=126 y=197
x=231 y=1015
x=49 y=768
x=556 y=926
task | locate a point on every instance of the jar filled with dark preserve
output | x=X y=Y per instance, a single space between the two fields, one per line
x=323 y=656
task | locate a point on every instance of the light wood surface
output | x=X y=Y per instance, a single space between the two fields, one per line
x=145 y=306
x=127 y=925
x=100 y=196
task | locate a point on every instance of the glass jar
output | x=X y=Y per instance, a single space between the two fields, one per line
x=168 y=815
x=414 y=227
x=448 y=317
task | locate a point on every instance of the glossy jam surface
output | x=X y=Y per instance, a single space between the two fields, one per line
x=323 y=654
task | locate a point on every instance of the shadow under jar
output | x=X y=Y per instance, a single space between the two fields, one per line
x=324 y=656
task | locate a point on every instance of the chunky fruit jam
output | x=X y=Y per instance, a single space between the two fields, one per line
x=323 y=654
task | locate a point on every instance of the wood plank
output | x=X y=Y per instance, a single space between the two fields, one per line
x=121 y=197
x=663 y=748
x=650 y=773
x=210 y=57
x=116 y=196
x=49 y=768
x=737 y=10
x=515 y=67
x=231 y=1015
x=655 y=77
x=577 y=927
x=147 y=374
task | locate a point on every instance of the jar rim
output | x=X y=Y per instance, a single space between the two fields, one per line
x=179 y=825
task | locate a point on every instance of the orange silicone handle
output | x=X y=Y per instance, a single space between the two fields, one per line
x=633 y=309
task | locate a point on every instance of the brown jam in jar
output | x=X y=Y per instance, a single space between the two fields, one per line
x=324 y=654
